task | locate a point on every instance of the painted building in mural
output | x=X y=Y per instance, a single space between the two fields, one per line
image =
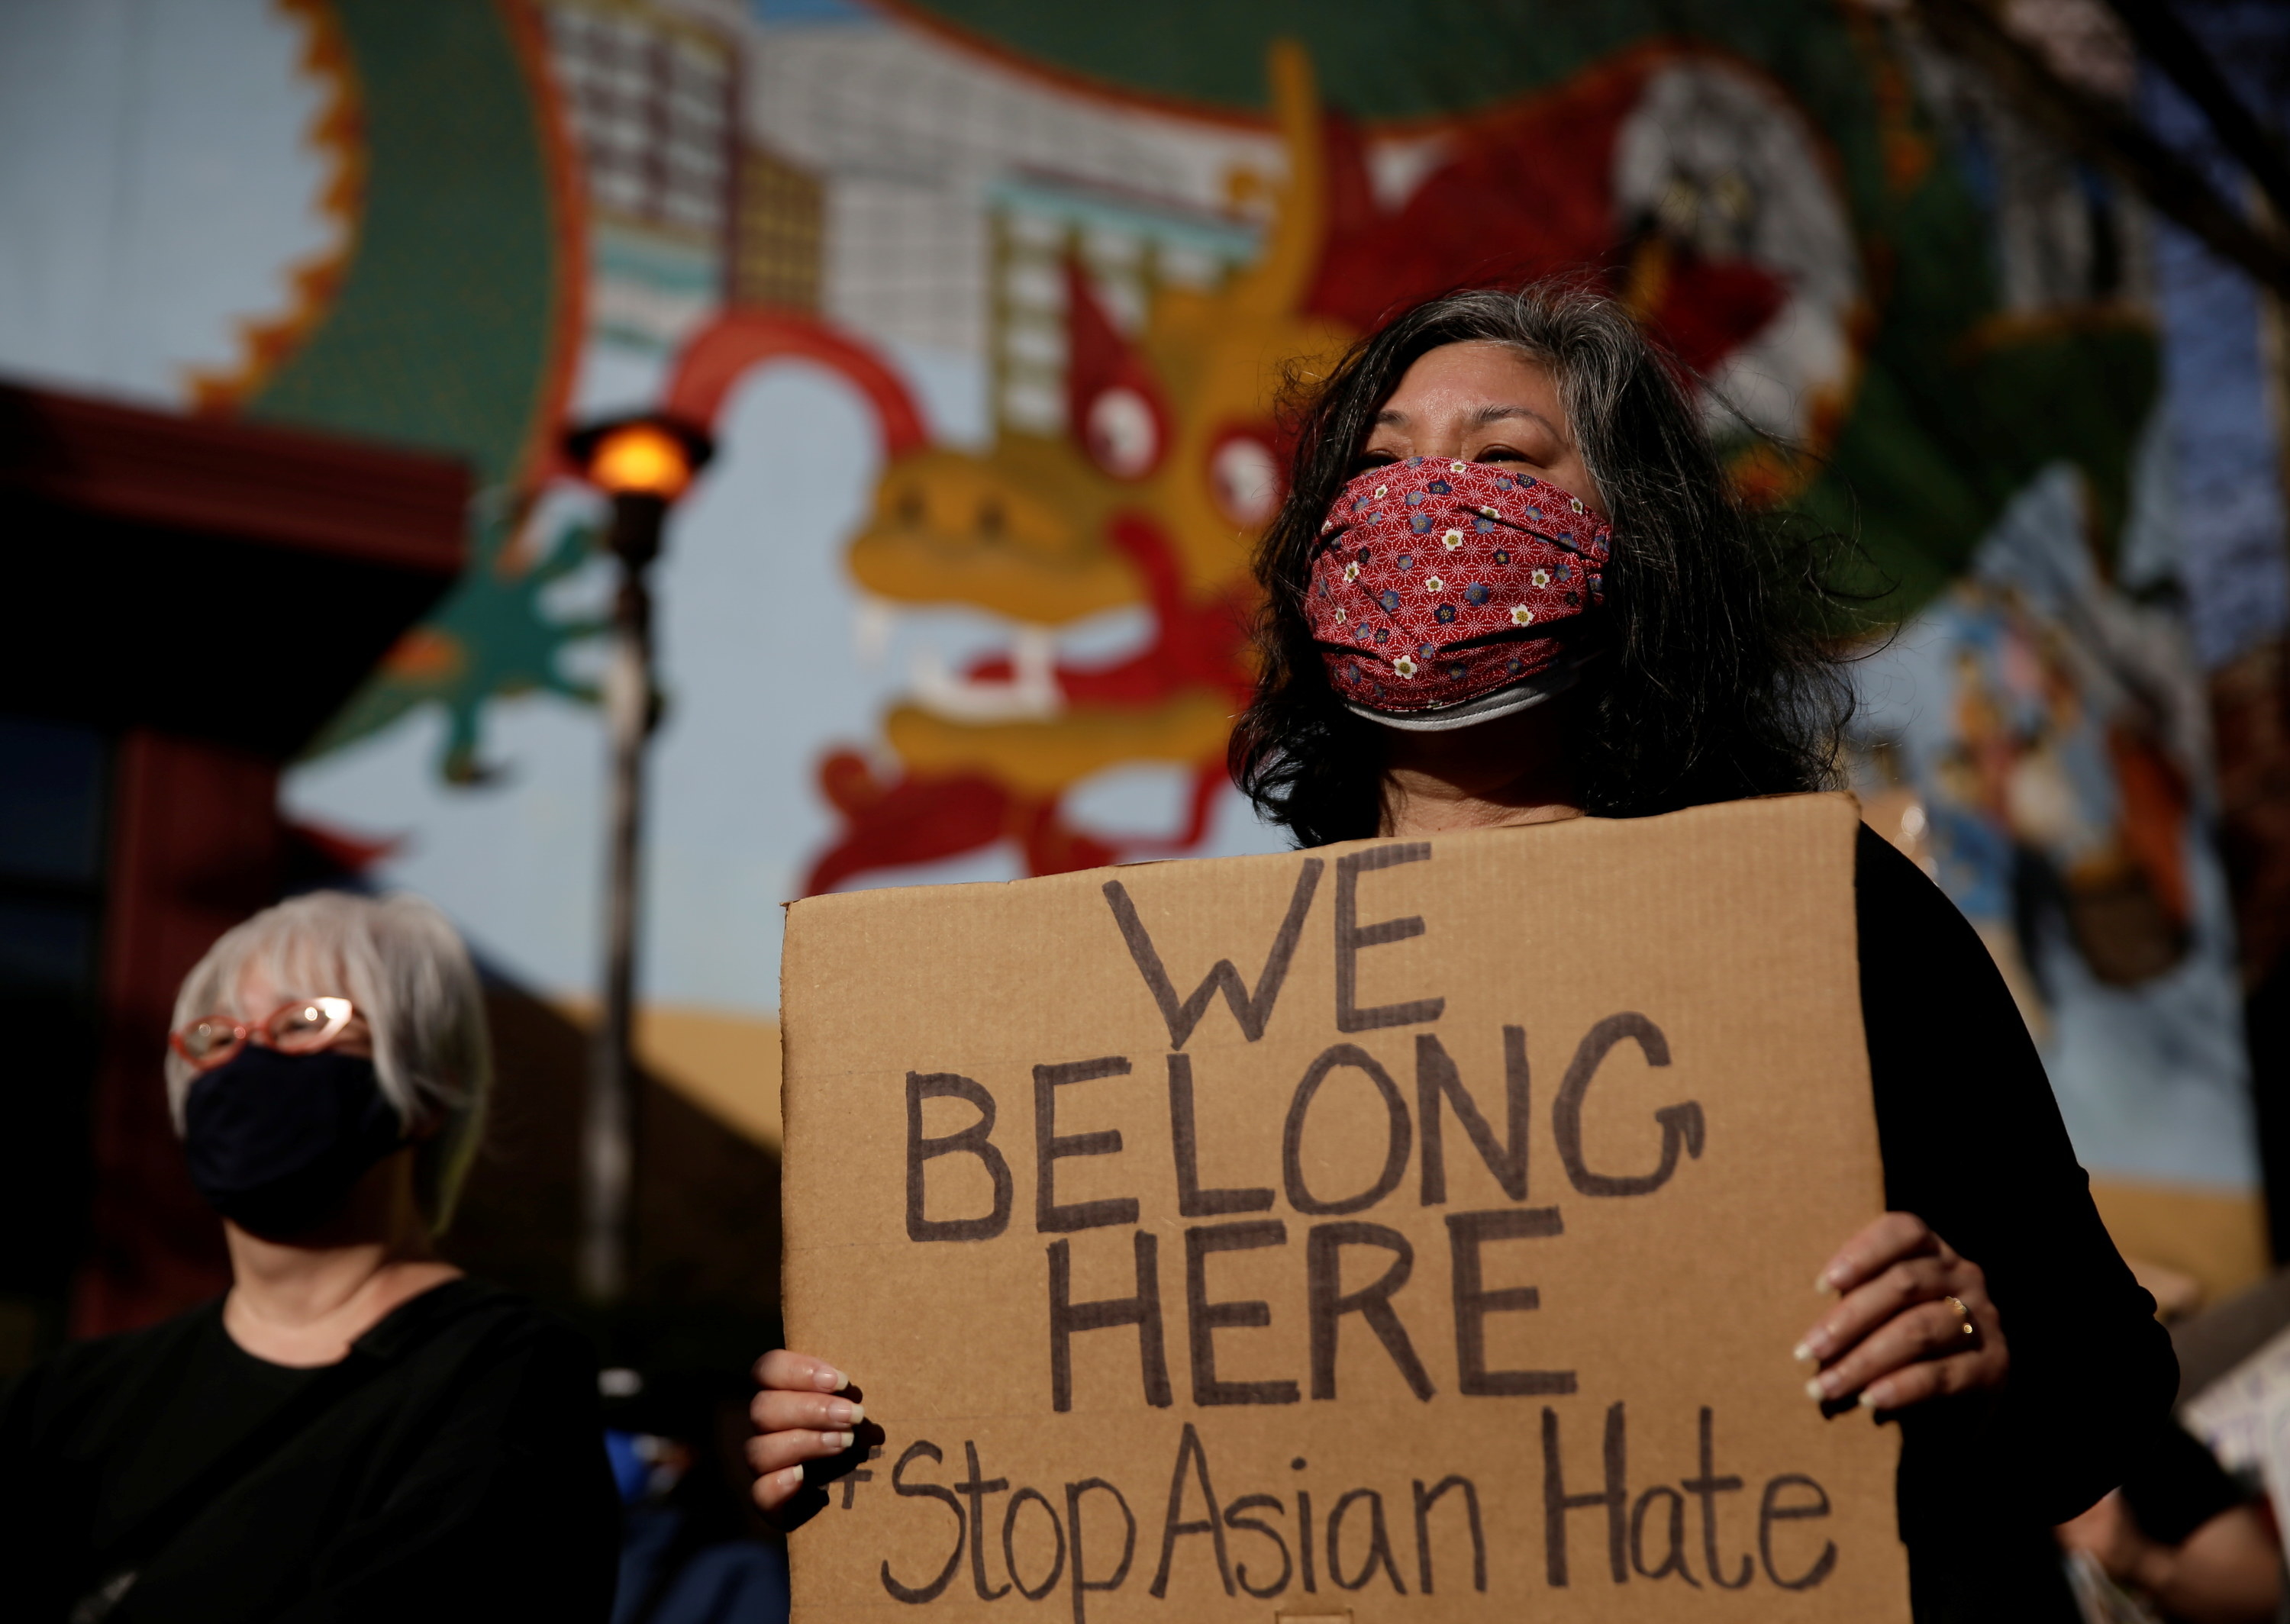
x=990 y=309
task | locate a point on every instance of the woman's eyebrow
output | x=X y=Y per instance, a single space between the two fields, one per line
x=1496 y=414
x=1389 y=419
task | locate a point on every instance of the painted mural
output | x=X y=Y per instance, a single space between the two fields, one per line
x=1167 y=457
x=2036 y=737
x=991 y=307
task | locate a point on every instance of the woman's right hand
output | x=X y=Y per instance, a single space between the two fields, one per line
x=798 y=1418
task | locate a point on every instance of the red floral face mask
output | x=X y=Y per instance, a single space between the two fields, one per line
x=1439 y=583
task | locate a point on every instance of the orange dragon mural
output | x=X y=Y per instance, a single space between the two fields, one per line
x=1170 y=459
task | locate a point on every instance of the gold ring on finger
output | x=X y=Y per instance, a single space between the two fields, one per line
x=1963 y=1314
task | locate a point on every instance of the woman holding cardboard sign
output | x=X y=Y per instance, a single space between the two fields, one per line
x=1510 y=583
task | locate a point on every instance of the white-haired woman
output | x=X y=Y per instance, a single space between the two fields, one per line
x=356 y=1430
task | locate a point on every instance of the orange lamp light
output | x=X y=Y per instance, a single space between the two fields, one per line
x=641 y=460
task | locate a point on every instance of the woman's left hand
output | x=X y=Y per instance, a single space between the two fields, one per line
x=1913 y=1320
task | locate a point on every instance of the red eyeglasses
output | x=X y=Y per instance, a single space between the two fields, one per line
x=303 y=1026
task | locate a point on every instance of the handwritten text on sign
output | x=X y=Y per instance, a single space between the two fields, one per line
x=1424 y=1353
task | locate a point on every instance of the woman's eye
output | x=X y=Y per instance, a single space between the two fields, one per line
x=1499 y=453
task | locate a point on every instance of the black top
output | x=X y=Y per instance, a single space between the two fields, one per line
x=1974 y=1145
x=453 y=1467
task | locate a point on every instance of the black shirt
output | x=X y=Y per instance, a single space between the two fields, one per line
x=1974 y=1145
x=453 y=1467
x=225 y=1393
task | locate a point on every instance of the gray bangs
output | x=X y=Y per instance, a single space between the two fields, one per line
x=400 y=960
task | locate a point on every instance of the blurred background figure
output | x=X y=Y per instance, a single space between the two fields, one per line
x=2194 y=1532
x=2182 y=1539
x=696 y=1550
x=355 y=1427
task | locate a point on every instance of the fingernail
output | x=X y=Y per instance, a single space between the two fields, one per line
x=830 y=1381
x=1815 y=1390
x=1821 y=1282
x=1867 y=1398
x=837 y=1441
x=843 y=1412
x=1802 y=1353
x=791 y=1479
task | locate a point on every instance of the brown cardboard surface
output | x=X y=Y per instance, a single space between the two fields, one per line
x=1675 y=1004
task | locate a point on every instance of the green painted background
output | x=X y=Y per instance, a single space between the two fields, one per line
x=445 y=334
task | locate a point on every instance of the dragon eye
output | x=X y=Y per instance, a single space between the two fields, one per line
x=1125 y=435
x=1246 y=477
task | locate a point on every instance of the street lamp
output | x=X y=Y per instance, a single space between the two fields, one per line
x=644 y=464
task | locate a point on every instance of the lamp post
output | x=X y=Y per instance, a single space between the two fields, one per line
x=644 y=464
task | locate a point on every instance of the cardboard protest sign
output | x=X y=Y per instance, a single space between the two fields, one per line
x=1406 y=1229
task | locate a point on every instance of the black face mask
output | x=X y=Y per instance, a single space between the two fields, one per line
x=275 y=1140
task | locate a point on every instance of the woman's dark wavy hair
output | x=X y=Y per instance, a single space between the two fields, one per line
x=1713 y=681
